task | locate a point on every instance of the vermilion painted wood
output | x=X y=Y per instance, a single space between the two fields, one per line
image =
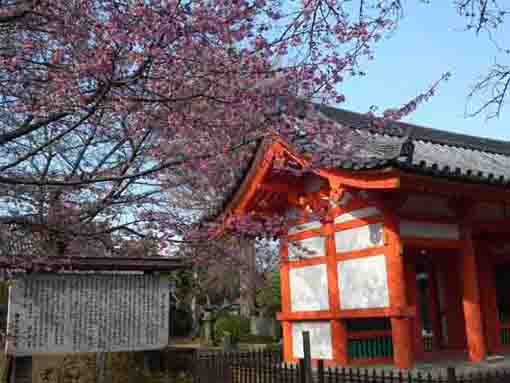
x=402 y=327
x=334 y=302
x=488 y=298
x=357 y=223
x=403 y=300
x=338 y=327
x=396 y=312
x=471 y=299
x=278 y=187
x=285 y=299
x=297 y=263
x=287 y=341
x=305 y=218
x=285 y=287
x=368 y=334
x=255 y=175
x=374 y=179
x=306 y=234
x=339 y=337
x=370 y=179
x=361 y=253
x=307 y=315
x=355 y=202
x=338 y=257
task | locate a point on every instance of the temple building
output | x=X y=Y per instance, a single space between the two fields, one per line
x=410 y=257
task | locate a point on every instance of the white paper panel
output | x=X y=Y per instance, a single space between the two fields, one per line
x=429 y=230
x=87 y=313
x=363 y=283
x=359 y=238
x=309 y=288
x=305 y=226
x=307 y=248
x=320 y=339
x=357 y=214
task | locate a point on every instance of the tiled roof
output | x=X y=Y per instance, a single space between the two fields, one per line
x=414 y=148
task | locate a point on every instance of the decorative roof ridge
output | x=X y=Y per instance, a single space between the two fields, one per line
x=357 y=120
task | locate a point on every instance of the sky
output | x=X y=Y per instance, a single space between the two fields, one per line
x=430 y=40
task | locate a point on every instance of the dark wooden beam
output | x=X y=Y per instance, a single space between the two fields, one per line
x=448 y=187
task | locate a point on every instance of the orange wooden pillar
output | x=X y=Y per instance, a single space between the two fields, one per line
x=471 y=299
x=287 y=340
x=401 y=326
x=285 y=295
x=489 y=301
x=338 y=326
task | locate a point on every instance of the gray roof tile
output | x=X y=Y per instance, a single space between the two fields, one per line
x=434 y=152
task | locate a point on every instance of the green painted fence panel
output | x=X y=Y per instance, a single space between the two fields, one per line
x=370 y=347
x=505 y=336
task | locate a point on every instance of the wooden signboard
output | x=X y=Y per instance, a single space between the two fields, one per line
x=87 y=313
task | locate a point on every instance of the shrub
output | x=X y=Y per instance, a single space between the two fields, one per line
x=234 y=325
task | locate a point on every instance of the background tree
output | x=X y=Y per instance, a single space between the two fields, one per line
x=486 y=17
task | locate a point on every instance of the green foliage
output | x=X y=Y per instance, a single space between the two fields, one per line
x=234 y=325
x=269 y=296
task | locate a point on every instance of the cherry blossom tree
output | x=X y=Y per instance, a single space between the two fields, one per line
x=106 y=106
